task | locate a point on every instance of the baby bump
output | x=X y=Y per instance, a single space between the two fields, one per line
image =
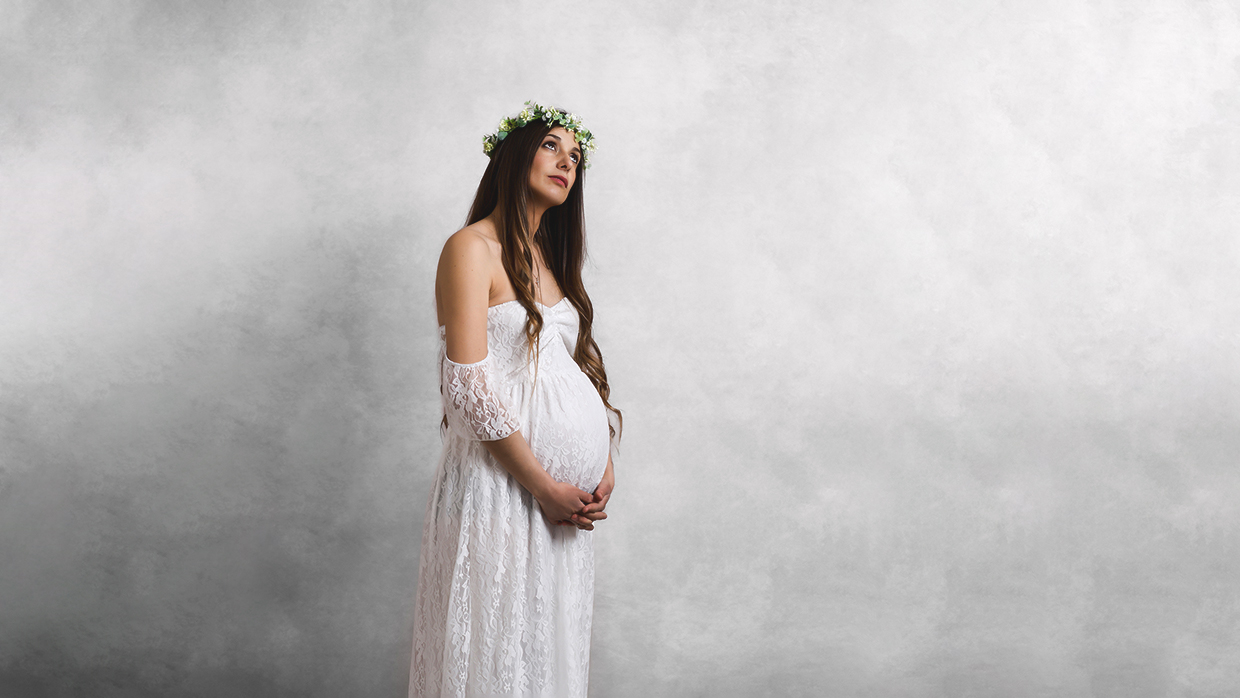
x=568 y=429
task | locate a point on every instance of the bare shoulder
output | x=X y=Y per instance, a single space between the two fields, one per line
x=471 y=252
x=470 y=244
x=467 y=267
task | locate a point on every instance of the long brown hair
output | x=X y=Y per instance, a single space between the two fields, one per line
x=561 y=238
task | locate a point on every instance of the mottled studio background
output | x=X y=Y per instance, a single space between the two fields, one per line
x=924 y=318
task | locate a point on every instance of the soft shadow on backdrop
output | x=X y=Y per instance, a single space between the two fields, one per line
x=924 y=318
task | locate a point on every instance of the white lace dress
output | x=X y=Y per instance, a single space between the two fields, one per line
x=505 y=599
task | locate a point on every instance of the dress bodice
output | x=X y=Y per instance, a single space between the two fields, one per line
x=506 y=343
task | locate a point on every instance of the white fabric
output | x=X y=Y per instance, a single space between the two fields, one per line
x=471 y=404
x=504 y=598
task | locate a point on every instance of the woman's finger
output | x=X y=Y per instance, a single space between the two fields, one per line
x=595 y=507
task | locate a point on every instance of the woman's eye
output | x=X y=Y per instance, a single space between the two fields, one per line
x=552 y=145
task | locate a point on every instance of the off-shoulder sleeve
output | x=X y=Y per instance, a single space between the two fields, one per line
x=471 y=402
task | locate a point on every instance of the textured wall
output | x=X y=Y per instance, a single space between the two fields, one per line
x=924 y=317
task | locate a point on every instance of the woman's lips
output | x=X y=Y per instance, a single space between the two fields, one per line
x=563 y=182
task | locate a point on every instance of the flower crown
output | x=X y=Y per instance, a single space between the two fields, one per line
x=534 y=111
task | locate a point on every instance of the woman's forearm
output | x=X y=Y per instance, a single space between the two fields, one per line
x=514 y=454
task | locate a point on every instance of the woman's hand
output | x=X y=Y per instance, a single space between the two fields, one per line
x=594 y=509
x=560 y=501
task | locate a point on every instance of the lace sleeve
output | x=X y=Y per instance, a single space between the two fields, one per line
x=470 y=401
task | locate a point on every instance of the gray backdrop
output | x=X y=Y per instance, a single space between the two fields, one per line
x=924 y=318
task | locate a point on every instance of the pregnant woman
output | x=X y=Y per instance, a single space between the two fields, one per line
x=506 y=577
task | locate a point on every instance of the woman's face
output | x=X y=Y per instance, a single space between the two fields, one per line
x=555 y=166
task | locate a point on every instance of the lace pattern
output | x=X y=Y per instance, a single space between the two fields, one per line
x=471 y=403
x=505 y=599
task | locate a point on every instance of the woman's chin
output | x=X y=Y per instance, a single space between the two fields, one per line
x=553 y=201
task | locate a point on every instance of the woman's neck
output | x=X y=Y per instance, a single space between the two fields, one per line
x=534 y=213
